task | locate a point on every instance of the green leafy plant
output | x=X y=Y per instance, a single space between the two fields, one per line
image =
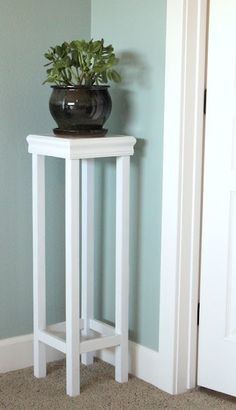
x=81 y=62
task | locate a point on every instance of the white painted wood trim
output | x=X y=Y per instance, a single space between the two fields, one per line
x=52 y=340
x=72 y=222
x=61 y=327
x=102 y=328
x=87 y=249
x=182 y=170
x=100 y=343
x=17 y=353
x=39 y=274
x=79 y=148
x=122 y=266
x=143 y=362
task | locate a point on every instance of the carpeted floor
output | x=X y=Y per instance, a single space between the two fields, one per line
x=20 y=390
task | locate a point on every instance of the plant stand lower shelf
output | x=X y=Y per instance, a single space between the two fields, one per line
x=81 y=335
x=99 y=336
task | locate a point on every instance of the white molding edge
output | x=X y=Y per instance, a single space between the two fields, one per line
x=79 y=148
x=182 y=182
x=17 y=353
x=143 y=362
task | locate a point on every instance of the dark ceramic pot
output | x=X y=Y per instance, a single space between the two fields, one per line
x=80 y=110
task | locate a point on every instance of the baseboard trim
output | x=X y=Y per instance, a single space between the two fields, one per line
x=17 y=353
x=143 y=362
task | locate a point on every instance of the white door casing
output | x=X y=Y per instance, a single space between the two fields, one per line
x=217 y=331
x=181 y=203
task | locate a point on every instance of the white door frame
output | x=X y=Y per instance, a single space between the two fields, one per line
x=182 y=187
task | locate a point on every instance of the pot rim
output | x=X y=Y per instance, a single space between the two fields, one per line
x=77 y=87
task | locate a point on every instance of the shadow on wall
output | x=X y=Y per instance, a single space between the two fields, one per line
x=105 y=238
x=133 y=71
x=136 y=194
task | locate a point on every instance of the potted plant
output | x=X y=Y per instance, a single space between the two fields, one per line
x=80 y=102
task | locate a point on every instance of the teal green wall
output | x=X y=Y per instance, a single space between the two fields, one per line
x=137 y=31
x=27 y=29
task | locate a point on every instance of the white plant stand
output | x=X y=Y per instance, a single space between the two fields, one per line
x=81 y=334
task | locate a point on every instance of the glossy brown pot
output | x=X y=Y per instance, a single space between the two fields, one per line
x=80 y=110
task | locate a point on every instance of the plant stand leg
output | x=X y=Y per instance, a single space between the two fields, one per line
x=122 y=266
x=72 y=278
x=87 y=250
x=39 y=286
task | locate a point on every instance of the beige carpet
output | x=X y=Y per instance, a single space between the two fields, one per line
x=20 y=390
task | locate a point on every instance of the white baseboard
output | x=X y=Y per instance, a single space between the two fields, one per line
x=143 y=362
x=17 y=353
